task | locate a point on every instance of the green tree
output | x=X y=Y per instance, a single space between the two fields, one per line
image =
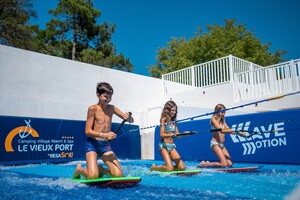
x=218 y=42
x=15 y=29
x=74 y=34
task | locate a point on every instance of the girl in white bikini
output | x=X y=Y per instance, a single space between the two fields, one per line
x=217 y=142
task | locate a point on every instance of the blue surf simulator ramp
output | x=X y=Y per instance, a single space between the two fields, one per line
x=281 y=146
x=37 y=140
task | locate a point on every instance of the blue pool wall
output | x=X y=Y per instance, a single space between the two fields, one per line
x=37 y=140
x=275 y=147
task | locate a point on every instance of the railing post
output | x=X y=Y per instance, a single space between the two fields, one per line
x=164 y=84
x=294 y=80
x=231 y=78
x=297 y=74
x=251 y=88
x=193 y=76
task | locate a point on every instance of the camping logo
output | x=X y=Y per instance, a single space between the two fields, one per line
x=24 y=140
x=271 y=136
x=22 y=131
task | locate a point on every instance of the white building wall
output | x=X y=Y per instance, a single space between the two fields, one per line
x=38 y=85
x=203 y=100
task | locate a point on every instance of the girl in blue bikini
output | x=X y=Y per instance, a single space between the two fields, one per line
x=166 y=145
x=217 y=142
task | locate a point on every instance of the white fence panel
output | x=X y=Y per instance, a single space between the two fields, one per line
x=251 y=80
x=276 y=79
x=206 y=74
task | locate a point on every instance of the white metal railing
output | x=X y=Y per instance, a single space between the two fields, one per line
x=210 y=73
x=275 y=79
x=250 y=80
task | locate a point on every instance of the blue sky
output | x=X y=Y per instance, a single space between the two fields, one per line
x=144 y=26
